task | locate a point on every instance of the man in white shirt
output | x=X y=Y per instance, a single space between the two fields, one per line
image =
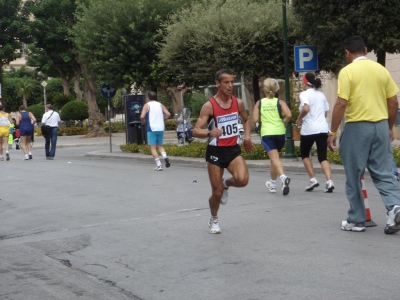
x=153 y=115
x=52 y=119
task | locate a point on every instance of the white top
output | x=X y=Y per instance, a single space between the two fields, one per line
x=314 y=122
x=155 y=116
x=53 y=121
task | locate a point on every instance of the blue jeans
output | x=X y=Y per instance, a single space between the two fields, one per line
x=52 y=137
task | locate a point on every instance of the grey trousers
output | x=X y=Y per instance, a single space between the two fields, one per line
x=367 y=145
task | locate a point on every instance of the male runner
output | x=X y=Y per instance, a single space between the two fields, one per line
x=221 y=113
x=153 y=115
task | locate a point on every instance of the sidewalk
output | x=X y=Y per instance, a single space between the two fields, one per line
x=117 y=139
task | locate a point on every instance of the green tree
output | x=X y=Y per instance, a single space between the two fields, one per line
x=14 y=30
x=326 y=24
x=25 y=88
x=118 y=47
x=242 y=35
x=53 y=51
x=11 y=100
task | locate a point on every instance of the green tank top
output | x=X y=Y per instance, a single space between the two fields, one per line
x=271 y=123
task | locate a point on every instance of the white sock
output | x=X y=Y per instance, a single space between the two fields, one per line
x=158 y=163
x=6 y=151
x=313 y=179
x=224 y=183
x=30 y=152
x=282 y=177
x=273 y=182
x=164 y=155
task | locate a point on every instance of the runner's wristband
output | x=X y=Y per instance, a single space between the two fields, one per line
x=330 y=133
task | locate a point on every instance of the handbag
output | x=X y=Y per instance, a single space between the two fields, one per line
x=46 y=129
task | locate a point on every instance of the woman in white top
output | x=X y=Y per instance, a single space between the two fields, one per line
x=314 y=129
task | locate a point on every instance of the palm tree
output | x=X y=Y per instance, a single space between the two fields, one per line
x=24 y=89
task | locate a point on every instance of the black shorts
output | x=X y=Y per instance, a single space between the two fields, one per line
x=222 y=156
x=307 y=141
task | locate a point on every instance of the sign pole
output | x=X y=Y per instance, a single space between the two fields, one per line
x=44 y=83
x=108 y=92
x=109 y=123
x=289 y=146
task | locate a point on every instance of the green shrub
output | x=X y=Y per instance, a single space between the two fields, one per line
x=60 y=99
x=334 y=157
x=115 y=127
x=37 y=110
x=72 y=130
x=396 y=155
x=171 y=125
x=75 y=110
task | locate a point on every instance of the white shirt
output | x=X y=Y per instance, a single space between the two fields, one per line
x=155 y=116
x=314 y=122
x=51 y=121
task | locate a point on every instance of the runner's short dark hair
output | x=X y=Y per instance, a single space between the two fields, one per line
x=222 y=71
x=152 y=95
x=354 y=44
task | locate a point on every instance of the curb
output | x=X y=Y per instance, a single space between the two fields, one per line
x=289 y=166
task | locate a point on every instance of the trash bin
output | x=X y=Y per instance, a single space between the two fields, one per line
x=135 y=131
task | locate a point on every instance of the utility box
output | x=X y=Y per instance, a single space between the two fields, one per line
x=135 y=130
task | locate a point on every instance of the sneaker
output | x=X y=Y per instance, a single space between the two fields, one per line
x=271 y=187
x=329 y=187
x=224 y=197
x=158 y=168
x=30 y=156
x=357 y=227
x=7 y=156
x=285 y=186
x=167 y=163
x=26 y=157
x=213 y=225
x=1 y=158
x=311 y=185
x=393 y=220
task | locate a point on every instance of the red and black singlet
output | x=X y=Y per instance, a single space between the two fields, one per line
x=227 y=121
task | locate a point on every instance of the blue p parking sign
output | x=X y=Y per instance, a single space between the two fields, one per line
x=305 y=59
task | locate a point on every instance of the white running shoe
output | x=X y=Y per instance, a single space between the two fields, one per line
x=357 y=227
x=26 y=157
x=158 y=168
x=285 y=186
x=311 y=185
x=393 y=220
x=329 y=187
x=270 y=186
x=224 y=197
x=213 y=225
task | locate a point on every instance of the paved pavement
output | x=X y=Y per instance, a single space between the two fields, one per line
x=89 y=228
x=117 y=139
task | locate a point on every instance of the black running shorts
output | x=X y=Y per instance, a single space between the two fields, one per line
x=222 y=156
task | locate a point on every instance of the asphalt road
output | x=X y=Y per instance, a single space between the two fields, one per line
x=100 y=228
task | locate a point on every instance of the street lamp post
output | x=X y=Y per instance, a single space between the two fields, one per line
x=289 y=146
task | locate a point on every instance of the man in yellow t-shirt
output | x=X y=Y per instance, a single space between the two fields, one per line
x=367 y=96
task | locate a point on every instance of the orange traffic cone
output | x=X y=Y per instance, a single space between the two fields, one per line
x=368 y=221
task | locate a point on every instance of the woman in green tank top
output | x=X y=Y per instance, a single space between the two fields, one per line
x=272 y=131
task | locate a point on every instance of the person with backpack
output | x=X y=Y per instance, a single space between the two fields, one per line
x=267 y=112
x=314 y=129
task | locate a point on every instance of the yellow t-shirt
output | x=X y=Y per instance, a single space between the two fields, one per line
x=366 y=85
